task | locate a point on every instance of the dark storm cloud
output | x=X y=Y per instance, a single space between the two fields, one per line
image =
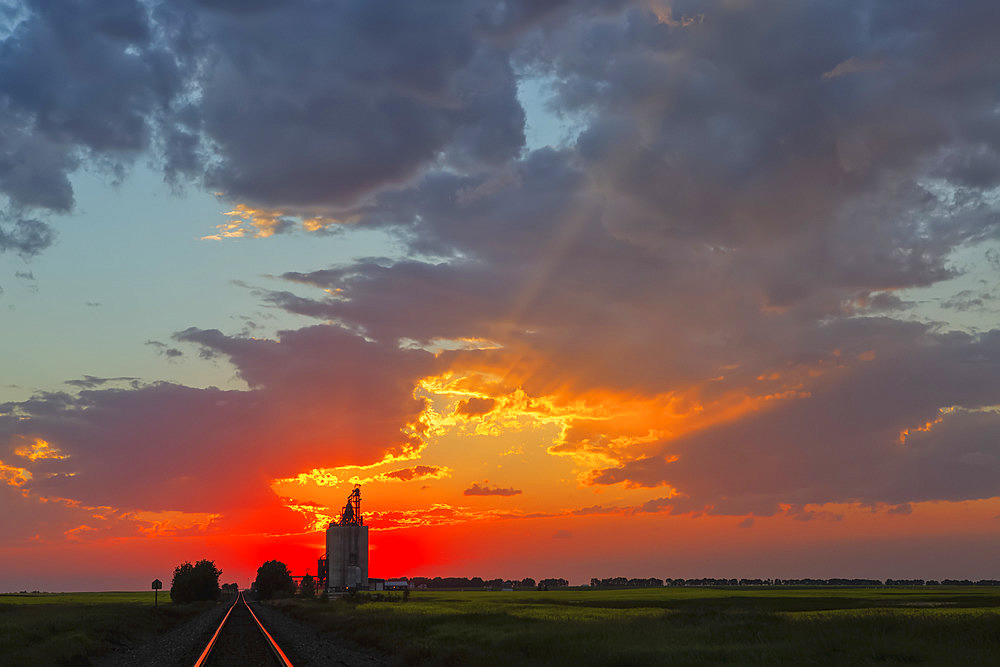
x=703 y=134
x=77 y=79
x=727 y=215
x=380 y=308
x=293 y=104
x=315 y=103
x=886 y=430
x=700 y=133
x=750 y=184
x=318 y=396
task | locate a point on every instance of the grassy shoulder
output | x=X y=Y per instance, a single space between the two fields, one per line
x=683 y=626
x=66 y=628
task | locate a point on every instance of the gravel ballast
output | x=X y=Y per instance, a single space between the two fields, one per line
x=305 y=645
x=179 y=646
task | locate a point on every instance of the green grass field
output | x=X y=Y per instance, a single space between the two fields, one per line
x=106 y=597
x=69 y=628
x=675 y=626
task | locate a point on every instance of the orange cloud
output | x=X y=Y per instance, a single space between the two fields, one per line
x=597 y=427
x=328 y=477
x=171 y=523
x=13 y=475
x=39 y=449
x=438 y=514
x=317 y=516
x=262 y=223
x=926 y=426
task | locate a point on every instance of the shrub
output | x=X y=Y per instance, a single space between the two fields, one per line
x=196 y=582
x=307 y=588
x=274 y=581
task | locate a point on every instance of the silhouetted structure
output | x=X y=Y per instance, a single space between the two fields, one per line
x=346 y=556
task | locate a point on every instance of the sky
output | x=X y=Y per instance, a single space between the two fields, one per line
x=572 y=289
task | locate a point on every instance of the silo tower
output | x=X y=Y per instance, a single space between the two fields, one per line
x=347 y=547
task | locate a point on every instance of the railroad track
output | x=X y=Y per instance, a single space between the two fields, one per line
x=241 y=639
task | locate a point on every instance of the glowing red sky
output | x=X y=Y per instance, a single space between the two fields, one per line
x=638 y=288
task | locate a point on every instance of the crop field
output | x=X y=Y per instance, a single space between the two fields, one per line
x=676 y=626
x=68 y=628
x=102 y=598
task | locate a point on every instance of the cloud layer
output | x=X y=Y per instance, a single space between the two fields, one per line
x=317 y=394
x=707 y=290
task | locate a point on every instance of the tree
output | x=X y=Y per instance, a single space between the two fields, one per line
x=307 y=588
x=196 y=582
x=274 y=581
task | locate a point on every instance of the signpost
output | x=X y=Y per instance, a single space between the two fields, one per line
x=157 y=585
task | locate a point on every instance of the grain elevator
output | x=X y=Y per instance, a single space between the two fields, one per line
x=347 y=548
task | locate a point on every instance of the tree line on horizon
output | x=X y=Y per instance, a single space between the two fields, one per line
x=653 y=582
x=486 y=584
x=200 y=581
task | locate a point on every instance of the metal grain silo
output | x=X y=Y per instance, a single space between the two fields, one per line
x=347 y=547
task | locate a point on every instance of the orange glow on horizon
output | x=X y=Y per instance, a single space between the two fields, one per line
x=543 y=445
x=575 y=547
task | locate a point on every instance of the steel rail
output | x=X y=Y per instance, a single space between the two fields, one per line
x=211 y=642
x=271 y=644
x=278 y=653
